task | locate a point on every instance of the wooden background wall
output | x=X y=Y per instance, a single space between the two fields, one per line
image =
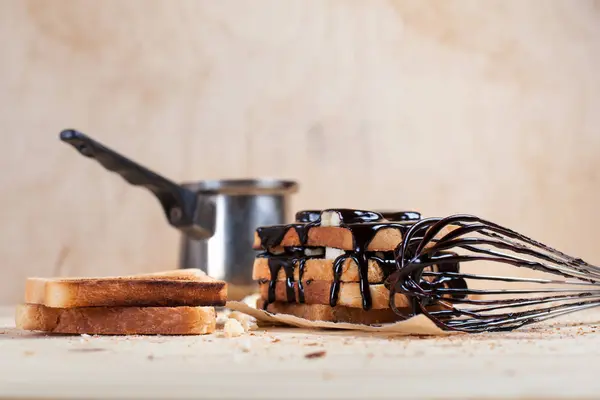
x=491 y=108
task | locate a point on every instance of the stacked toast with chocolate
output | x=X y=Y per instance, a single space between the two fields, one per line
x=331 y=265
x=177 y=302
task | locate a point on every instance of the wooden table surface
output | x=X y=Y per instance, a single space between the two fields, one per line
x=560 y=360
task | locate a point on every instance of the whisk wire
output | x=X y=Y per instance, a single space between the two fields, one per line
x=435 y=241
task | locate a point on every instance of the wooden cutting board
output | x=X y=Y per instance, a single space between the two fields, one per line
x=558 y=360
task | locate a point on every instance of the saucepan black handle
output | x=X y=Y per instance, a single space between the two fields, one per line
x=180 y=204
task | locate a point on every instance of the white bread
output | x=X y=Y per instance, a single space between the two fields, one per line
x=117 y=320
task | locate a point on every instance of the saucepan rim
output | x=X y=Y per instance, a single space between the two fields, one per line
x=247 y=186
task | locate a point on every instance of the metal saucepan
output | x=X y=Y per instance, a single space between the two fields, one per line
x=217 y=218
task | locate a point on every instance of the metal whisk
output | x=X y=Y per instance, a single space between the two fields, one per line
x=517 y=302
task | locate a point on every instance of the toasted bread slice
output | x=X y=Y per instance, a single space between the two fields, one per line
x=319 y=269
x=169 y=288
x=385 y=239
x=319 y=312
x=117 y=320
x=35 y=288
x=318 y=292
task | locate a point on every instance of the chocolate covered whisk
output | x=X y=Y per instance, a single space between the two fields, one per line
x=517 y=302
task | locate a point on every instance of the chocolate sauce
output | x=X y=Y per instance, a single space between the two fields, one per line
x=363 y=225
x=275 y=264
x=387 y=266
x=346 y=215
x=362 y=235
x=287 y=261
x=338 y=267
x=401 y=215
x=302 y=231
x=301 y=264
x=308 y=216
x=272 y=236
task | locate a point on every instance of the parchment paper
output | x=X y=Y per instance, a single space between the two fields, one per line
x=419 y=325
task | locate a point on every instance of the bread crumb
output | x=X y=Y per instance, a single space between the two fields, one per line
x=150 y=357
x=251 y=300
x=245 y=346
x=327 y=375
x=233 y=328
x=275 y=340
x=316 y=354
x=28 y=353
x=247 y=321
x=84 y=337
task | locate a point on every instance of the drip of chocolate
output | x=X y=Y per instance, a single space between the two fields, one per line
x=276 y=263
x=272 y=236
x=338 y=265
x=301 y=264
x=363 y=234
x=302 y=231
x=287 y=261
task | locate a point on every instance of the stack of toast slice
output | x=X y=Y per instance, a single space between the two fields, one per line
x=177 y=302
x=331 y=265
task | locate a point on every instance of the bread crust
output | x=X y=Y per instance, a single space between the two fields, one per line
x=117 y=320
x=319 y=269
x=319 y=312
x=318 y=292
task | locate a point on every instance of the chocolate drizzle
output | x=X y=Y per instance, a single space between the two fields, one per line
x=287 y=261
x=308 y=216
x=302 y=231
x=363 y=226
x=363 y=234
x=275 y=264
x=338 y=266
x=401 y=215
x=301 y=265
x=272 y=236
